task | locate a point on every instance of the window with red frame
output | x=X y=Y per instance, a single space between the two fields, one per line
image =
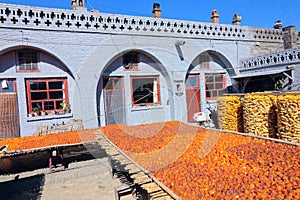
x=145 y=91
x=27 y=60
x=215 y=85
x=46 y=94
x=131 y=61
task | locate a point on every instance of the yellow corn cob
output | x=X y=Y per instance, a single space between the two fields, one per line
x=288 y=115
x=259 y=113
x=230 y=113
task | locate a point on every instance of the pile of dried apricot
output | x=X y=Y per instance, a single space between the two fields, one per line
x=197 y=163
x=32 y=142
x=217 y=165
x=142 y=138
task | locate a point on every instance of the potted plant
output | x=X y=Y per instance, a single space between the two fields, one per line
x=66 y=106
x=35 y=111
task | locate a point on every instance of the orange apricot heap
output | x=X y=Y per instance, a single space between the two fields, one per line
x=32 y=142
x=142 y=138
x=217 y=165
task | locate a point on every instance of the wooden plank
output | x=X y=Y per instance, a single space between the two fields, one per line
x=142 y=179
x=133 y=176
x=151 y=187
x=160 y=195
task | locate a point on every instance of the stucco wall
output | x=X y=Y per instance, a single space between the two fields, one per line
x=83 y=53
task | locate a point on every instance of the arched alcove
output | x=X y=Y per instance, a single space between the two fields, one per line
x=42 y=82
x=134 y=88
x=206 y=78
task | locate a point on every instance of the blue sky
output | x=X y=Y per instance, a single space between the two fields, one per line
x=258 y=13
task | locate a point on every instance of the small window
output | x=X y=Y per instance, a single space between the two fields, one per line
x=192 y=80
x=204 y=61
x=145 y=91
x=46 y=95
x=8 y=85
x=131 y=61
x=214 y=85
x=27 y=61
x=113 y=83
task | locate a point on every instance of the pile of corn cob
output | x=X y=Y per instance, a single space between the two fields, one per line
x=230 y=113
x=288 y=115
x=260 y=114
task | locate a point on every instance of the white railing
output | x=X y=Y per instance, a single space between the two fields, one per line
x=289 y=56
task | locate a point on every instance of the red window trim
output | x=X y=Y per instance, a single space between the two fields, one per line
x=27 y=71
x=29 y=101
x=158 y=91
x=214 y=82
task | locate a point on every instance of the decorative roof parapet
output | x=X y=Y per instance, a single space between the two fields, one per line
x=286 y=57
x=18 y=16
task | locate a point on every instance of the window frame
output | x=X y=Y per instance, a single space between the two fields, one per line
x=47 y=90
x=27 y=51
x=223 y=82
x=133 y=66
x=158 y=91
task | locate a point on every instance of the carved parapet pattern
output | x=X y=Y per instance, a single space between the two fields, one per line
x=286 y=57
x=18 y=16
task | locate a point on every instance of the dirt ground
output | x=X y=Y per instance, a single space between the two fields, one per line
x=86 y=180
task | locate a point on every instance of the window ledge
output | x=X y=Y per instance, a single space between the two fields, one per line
x=150 y=107
x=49 y=117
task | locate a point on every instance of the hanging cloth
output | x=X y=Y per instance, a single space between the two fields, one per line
x=4 y=84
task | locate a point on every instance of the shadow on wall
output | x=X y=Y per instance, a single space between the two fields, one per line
x=24 y=188
x=6 y=64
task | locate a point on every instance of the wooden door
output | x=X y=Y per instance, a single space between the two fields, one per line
x=193 y=96
x=9 y=111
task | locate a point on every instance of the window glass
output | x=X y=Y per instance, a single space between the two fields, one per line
x=209 y=78
x=219 y=86
x=56 y=85
x=210 y=86
x=58 y=104
x=49 y=105
x=108 y=84
x=46 y=94
x=7 y=85
x=113 y=83
x=145 y=91
x=38 y=86
x=192 y=81
x=204 y=60
x=118 y=83
x=215 y=85
x=219 y=78
x=221 y=92
x=38 y=95
x=27 y=60
x=131 y=61
x=36 y=106
x=56 y=95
